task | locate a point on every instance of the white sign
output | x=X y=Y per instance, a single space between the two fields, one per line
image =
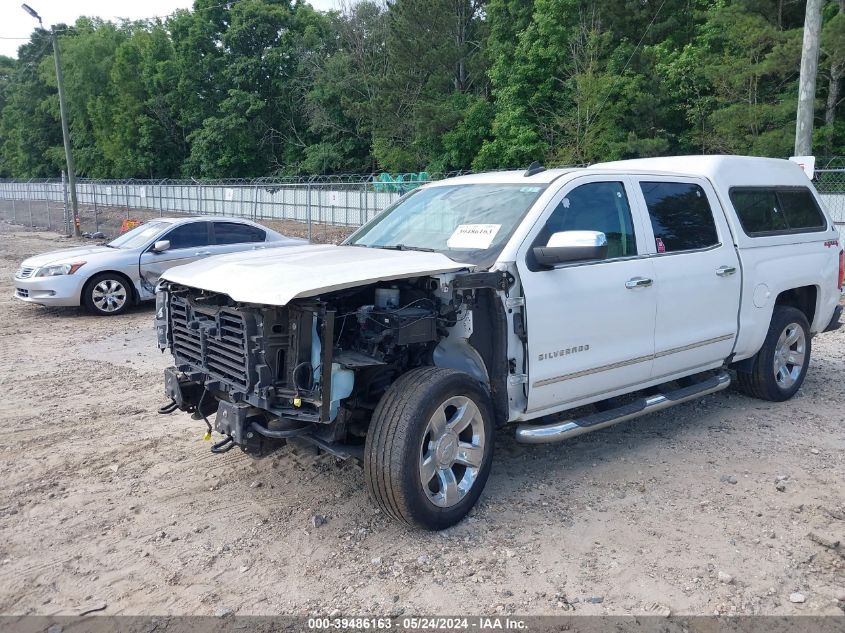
x=142 y=191
x=228 y=194
x=334 y=198
x=807 y=163
x=473 y=236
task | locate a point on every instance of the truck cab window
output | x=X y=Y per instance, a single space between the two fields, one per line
x=680 y=216
x=596 y=206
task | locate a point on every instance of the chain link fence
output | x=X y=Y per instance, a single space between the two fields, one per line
x=831 y=186
x=322 y=208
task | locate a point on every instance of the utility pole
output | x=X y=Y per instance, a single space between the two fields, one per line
x=807 y=81
x=71 y=172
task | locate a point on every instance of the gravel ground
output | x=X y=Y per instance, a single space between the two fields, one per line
x=706 y=508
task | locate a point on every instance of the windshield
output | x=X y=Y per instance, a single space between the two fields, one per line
x=466 y=222
x=138 y=236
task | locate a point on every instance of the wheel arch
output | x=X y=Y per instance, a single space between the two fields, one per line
x=483 y=355
x=793 y=298
x=803 y=298
x=755 y=376
x=129 y=284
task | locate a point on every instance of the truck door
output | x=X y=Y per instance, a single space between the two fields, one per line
x=697 y=274
x=590 y=324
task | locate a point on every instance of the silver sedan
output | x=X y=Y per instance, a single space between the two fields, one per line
x=108 y=278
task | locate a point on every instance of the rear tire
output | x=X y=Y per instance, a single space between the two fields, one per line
x=779 y=368
x=429 y=447
x=107 y=294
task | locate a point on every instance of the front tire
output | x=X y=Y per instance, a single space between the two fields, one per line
x=779 y=368
x=430 y=447
x=107 y=294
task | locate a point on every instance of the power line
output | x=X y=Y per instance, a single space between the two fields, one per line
x=627 y=63
x=145 y=19
x=170 y=15
x=38 y=57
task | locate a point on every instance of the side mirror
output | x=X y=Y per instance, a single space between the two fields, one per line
x=572 y=246
x=161 y=246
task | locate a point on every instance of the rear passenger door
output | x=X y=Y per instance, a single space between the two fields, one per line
x=697 y=274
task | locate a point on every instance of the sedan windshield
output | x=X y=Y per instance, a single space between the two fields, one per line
x=468 y=223
x=139 y=236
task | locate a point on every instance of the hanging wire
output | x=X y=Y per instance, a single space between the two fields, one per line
x=620 y=74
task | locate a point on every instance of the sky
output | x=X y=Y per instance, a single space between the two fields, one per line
x=16 y=23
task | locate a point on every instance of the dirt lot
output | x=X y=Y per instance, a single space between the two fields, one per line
x=105 y=502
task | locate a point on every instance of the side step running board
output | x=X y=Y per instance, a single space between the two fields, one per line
x=559 y=431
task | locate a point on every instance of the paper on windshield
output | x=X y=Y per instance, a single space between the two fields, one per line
x=473 y=236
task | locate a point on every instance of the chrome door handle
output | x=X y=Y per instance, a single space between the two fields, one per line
x=725 y=271
x=638 y=282
x=203 y=253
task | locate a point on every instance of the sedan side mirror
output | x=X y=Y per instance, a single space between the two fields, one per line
x=161 y=246
x=572 y=246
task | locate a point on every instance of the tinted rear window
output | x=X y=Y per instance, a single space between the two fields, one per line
x=801 y=210
x=769 y=211
x=236 y=233
x=680 y=216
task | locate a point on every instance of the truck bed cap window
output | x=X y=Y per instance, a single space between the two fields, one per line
x=766 y=211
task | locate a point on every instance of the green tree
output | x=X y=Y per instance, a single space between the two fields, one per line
x=260 y=125
x=342 y=102
x=255 y=87
x=736 y=83
x=434 y=50
x=28 y=128
x=549 y=100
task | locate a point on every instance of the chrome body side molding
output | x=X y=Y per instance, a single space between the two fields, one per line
x=632 y=361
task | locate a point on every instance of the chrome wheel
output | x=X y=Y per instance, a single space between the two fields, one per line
x=790 y=355
x=109 y=295
x=452 y=451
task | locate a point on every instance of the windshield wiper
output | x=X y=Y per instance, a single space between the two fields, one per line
x=404 y=247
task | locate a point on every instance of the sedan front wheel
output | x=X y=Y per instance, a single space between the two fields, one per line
x=107 y=294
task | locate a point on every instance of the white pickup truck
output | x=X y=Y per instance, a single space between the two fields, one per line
x=507 y=297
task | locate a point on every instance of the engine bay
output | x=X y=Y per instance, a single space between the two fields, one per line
x=320 y=363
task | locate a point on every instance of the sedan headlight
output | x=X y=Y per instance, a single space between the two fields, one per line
x=59 y=269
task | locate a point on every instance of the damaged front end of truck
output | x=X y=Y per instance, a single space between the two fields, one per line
x=404 y=347
x=316 y=367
